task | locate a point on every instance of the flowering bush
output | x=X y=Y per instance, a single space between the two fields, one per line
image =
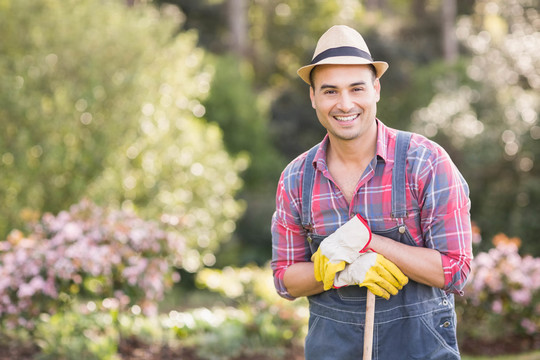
x=87 y=251
x=502 y=296
x=128 y=131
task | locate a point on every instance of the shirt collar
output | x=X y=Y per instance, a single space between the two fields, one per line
x=383 y=147
x=319 y=161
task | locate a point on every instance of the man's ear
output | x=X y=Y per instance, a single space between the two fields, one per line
x=377 y=86
x=312 y=96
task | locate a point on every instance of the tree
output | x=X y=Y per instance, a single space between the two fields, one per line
x=238 y=26
x=449 y=40
x=489 y=119
x=100 y=100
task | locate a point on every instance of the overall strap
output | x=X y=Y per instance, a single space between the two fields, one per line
x=399 y=205
x=307 y=188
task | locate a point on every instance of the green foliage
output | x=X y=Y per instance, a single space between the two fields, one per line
x=73 y=335
x=99 y=100
x=284 y=35
x=270 y=324
x=488 y=121
x=236 y=108
x=63 y=98
x=257 y=324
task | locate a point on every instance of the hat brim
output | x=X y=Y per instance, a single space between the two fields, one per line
x=305 y=71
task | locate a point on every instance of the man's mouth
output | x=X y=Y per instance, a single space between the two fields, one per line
x=345 y=118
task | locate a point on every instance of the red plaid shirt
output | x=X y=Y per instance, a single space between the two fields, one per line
x=437 y=199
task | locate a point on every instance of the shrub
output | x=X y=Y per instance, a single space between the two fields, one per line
x=103 y=101
x=87 y=251
x=75 y=335
x=261 y=322
x=501 y=296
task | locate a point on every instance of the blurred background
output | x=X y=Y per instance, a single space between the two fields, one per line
x=141 y=143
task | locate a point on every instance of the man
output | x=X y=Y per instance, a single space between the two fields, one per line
x=370 y=207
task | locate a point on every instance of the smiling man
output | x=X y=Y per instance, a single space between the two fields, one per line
x=369 y=207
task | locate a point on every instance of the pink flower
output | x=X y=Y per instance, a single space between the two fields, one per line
x=5 y=282
x=493 y=282
x=29 y=289
x=529 y=326
x=497 y=306
x=50 y=289
x=72 y=231
x=521 y=296
x=119 y=250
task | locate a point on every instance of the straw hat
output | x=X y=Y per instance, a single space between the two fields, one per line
x=341 y=45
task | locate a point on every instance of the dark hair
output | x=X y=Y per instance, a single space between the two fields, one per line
x=371 y=67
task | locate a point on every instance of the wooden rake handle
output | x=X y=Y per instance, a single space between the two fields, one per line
x=368 y=330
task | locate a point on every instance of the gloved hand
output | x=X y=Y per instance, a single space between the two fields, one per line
x=381 y=276
x=341 y=248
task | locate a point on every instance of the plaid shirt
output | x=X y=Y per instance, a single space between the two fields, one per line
x=437 y=199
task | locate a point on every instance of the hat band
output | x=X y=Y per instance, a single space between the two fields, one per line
x=341 y=51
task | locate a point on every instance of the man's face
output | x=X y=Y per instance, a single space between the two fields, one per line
x=345 y=99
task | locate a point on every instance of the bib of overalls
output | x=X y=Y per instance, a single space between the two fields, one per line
x=417 y=323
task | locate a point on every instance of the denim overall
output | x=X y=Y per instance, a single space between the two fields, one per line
x=417 y=323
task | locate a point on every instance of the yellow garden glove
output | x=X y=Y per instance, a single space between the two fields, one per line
x=342 y=247
x=381 y=276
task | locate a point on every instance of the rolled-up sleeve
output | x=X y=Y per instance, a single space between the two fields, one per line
x=289 y=244
x=446 y=223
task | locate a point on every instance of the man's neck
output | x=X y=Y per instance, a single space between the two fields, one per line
x=355 y=152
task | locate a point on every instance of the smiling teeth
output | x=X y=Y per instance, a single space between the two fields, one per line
x=345 y=118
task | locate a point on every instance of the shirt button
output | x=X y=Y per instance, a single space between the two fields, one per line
x=401 y=229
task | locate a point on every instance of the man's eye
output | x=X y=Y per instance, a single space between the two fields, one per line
x=358 y=89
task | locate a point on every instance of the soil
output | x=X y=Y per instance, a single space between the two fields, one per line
x=509 y=345
x=135 y=349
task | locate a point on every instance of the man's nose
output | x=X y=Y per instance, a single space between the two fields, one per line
x=345 y=103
